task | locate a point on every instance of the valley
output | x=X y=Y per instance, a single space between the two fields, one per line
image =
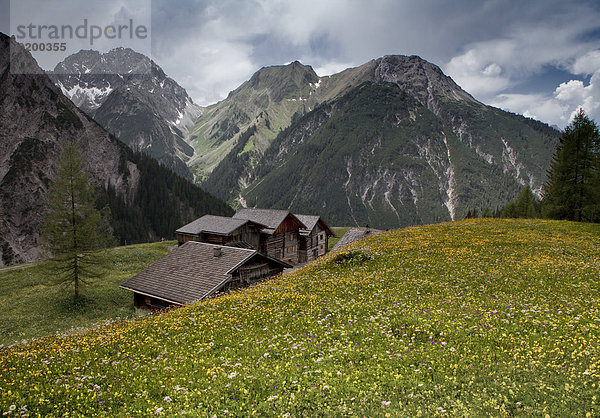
x=394 y=142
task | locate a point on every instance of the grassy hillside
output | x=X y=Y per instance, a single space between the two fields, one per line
x=31 y=307
x=479 y=317
x=266 y=103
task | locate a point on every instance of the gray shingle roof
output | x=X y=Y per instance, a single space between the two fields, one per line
x=271 y=218
x=189 y=273
x=309 y=220
x=354 y=234
x=212 y=224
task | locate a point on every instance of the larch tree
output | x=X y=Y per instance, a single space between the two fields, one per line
x=572 y=191
x=73 y=230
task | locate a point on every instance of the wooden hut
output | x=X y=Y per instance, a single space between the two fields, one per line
x=314 y=239
x=195 y=271
x=281 y=237
x=355 y=234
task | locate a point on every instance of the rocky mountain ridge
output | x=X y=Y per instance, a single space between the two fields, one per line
x=377 y=156
x=130 y=96
x=232 y=146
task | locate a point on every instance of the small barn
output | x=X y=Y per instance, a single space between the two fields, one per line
x=195 y=271
x=355 y=234
x=314 y=239
x=221 y=230
x=281 y=237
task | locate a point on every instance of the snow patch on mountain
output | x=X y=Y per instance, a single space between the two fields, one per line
x=187 y=115
x=80 y=94
x=349 y=171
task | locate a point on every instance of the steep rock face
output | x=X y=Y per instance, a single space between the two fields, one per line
x=422 y=80
x=36 y=120
x=131 y=97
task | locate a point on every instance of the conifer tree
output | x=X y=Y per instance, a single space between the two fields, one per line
x=73 y=229
x=510 y=210
x=572 y=191
x=526 y=204
x=487 y=213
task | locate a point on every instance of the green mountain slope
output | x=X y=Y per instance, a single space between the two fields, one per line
x=472 y=318
x=376 y=156
x=268 y=100
x=464 y=147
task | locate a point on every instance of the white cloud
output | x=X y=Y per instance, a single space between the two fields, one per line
x=557 y=108
x=488 y=46
x=526 y=49
x=218 y=67
x=537 y=106
x=587 y=64
x=492 y=70
x=570 y=91
x=478 y=72
x=330 y=68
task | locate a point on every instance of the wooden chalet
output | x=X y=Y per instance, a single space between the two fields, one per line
x=314 y=239
x=281 y=237
x=195 y=271
x=221 y=230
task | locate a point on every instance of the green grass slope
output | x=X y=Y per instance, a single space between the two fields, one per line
x=32 y=307
x=478 y=318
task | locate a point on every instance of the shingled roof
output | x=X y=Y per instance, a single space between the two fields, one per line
x=219 y=225
x=272 y=218
x=354 y=234
x=310 y=221
x=190 y=272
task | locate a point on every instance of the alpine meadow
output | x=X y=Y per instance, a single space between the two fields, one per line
x=478 y=317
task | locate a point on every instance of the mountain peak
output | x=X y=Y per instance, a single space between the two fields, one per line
x=284 y=81
x=418 y=77
x=129 y=95
x=116 y=61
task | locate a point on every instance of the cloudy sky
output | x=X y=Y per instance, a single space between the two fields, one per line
x=540 y=58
